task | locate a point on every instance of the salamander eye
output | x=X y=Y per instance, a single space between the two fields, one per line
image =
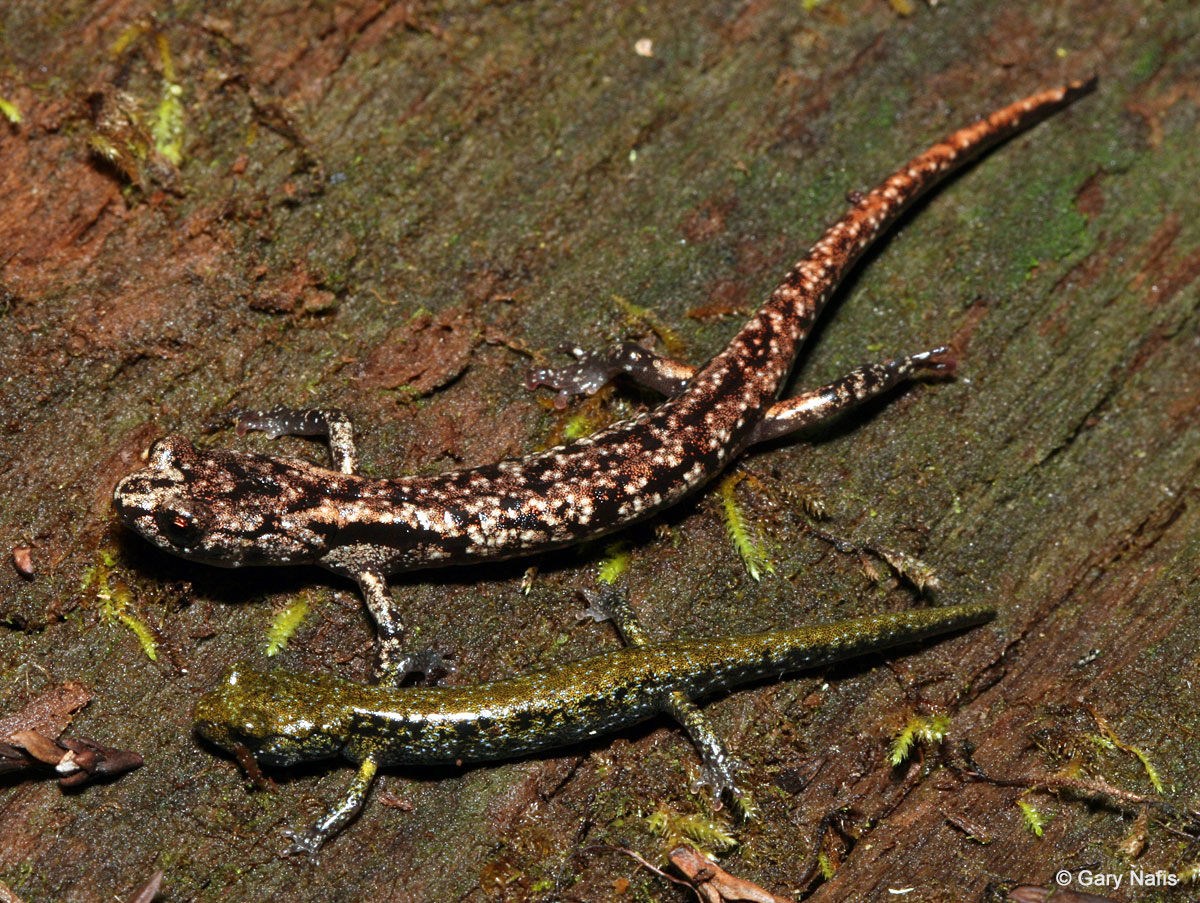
x=179 y=526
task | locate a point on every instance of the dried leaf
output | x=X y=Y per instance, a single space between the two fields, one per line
x=76 y=760
x=714 y=884
x=425 y=354
x=38 y=746
x=48 y=714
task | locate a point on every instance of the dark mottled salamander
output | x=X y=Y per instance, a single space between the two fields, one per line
x=232 y=509
x=280 y=718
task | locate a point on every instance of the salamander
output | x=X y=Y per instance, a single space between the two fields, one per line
x=229 y=508
x=280 y=718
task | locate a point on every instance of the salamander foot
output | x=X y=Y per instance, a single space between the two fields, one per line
x=597 y=368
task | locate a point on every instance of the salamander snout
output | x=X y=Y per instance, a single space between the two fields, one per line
x=280 y=718
x=145 y=491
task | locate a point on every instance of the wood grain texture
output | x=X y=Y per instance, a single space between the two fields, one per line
x=350 y=169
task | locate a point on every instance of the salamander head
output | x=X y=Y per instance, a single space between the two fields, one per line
x=227 y=509
x=275 y=718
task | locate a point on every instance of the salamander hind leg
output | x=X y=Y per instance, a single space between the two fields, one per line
x=594 y=369
x=849 y=391
x=322 y=422
x=719 y=768
x=612 y=604
x=306 y=843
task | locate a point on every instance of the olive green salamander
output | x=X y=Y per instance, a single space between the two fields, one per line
x=281 y=718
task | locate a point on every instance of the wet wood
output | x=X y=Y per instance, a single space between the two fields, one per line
x=383 y=207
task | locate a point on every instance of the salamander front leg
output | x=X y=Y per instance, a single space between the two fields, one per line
x=306 y=843
x=613 y=604
x=392 y=663
x=847 y=392
x=719 y=768
x=597 y=368
x=327 y=423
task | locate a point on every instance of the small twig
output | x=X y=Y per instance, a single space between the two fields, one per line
x=641 y=860
x=1124 y=800
x=1053 y=783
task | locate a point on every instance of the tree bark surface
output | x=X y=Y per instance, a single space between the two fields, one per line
x=398 y=208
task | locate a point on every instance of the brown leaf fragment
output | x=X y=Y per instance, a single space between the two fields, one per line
x=723 y=303
x=392 y=801
x=148 y=891
x=714 y=884
x=38 y=746
x=708 y=220
x=48 y=714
